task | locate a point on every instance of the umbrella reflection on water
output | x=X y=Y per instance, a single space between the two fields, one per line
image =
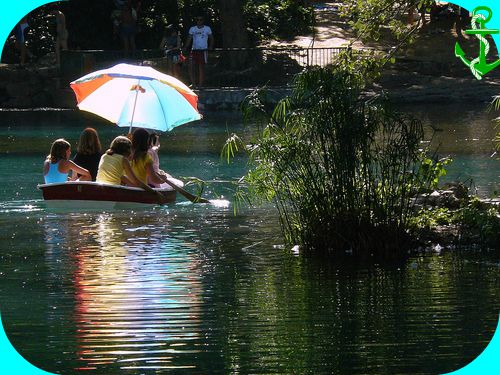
x=137 y=293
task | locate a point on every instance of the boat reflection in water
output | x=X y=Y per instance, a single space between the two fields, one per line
x=138 y=294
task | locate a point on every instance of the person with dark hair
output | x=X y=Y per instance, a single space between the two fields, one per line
x=116 y=15
x=88 y=152
x=115 y=169
x=142 y=162
x=57 y=165
x=171 y=45
x=200 y=40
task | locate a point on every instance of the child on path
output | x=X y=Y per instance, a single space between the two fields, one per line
x=61 y=40
x=128 y=26
x=20 y=34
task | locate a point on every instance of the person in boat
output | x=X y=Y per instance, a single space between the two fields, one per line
x=154 y=146
x=142 y=162
x=114 y=167
x=88 y=153
x=57 y=165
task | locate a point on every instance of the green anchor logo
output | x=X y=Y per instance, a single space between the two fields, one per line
x=479 y=66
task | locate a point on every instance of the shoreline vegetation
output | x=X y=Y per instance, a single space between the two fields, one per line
x=452 y=218
x=348 y=173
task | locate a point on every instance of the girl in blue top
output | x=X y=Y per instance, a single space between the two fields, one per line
x=57 y=165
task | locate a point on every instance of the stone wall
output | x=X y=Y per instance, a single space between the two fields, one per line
x=24 y=88
x=230 y=98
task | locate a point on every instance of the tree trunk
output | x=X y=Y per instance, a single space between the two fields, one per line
x=234 y=32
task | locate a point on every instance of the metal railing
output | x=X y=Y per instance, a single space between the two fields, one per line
x=266 y=65
x=239 y=67
x=321 y=56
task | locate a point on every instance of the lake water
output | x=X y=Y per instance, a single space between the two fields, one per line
x=196 y=289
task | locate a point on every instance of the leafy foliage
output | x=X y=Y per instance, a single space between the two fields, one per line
x=430 y=218
x=264 y=19
x=431 y=171
x=341 y=170
x=475 y=221
x=369 y=17
x=480 y=222
x=278 y=18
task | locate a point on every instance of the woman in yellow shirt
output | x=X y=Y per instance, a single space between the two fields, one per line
x=142 y=163
x=115 y=169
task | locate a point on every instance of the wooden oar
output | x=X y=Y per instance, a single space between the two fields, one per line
x=187 y=194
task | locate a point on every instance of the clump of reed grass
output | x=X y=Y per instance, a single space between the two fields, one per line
x=341 y=169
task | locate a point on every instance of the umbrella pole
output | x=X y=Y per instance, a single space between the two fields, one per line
x=133 y=110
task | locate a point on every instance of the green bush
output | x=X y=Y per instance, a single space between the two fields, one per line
x=341 y=170
x=480 y=223
x=430 y=218
x=278 y=18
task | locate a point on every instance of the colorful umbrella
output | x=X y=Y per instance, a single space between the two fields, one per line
x=139 y=96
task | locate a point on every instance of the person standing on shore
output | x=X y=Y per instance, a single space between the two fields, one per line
x=20 y=34
x=200 y=40
x=128 y=25
x=171 y=45
x=61 y=42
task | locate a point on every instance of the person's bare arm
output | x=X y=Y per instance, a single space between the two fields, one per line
x=153 y=175
x=68 y=165
x=133 y=178
x=46 y=166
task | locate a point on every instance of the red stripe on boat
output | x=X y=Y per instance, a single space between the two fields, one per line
x=98 y=192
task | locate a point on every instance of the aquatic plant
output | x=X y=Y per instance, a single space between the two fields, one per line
x=480 y=222
x=474 y=222
x=342 y=169
x=431 y=170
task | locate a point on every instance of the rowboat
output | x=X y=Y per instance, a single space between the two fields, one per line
x=93 y=195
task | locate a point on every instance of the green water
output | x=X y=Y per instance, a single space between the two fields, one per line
x=194 y=289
